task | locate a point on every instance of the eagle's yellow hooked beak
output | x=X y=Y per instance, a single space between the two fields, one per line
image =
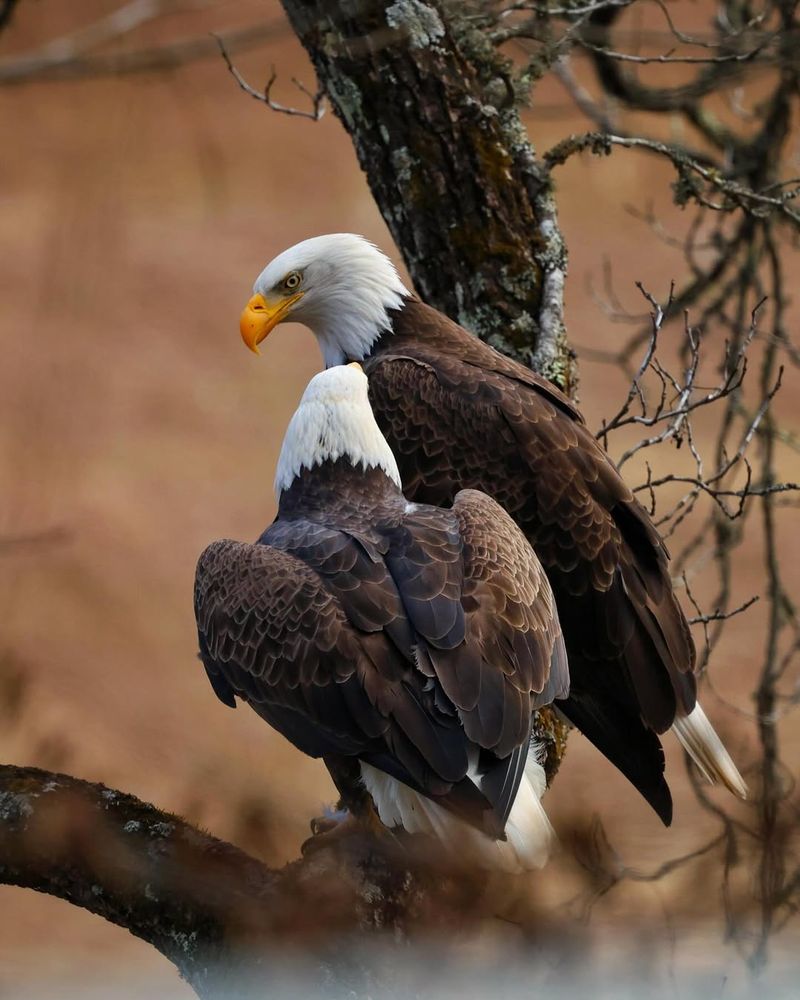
x=260 y=316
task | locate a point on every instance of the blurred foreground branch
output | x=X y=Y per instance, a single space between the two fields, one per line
x=215 y=912
x=6 y=10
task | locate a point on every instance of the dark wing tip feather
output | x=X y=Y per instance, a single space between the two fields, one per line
x=501 y=781
x=222 y=688
x=621 y=736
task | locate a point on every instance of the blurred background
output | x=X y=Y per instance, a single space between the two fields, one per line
x=135 y=213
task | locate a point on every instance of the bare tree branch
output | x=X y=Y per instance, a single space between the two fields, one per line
x=168 y=883
x=215 y=912
x=668 y=58
x=6 y=11
x=317 y=105
x=756 y=202
x=703 y=618
x=58 y=62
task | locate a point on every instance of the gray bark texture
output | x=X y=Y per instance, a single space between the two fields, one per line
x=222 y=917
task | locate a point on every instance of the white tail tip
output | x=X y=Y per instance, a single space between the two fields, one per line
x=529 y=834
x=699 y=740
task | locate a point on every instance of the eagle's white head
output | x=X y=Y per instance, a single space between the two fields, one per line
x=334 y=420
x=340 y=286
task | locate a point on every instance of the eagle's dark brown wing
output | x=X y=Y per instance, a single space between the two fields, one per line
x=505 y=654
x=459 y=415
x=370 y=644
x=515 y=659
x=272 y=633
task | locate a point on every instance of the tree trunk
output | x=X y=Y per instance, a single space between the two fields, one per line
x=432 y=112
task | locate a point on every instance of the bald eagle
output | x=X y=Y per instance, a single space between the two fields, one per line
x=413 y=640
x=460 y=415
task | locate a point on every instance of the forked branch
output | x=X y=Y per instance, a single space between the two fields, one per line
x=317 y=99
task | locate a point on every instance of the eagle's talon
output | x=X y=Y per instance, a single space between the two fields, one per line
x=339 y=832
x=320 y=825
x=327 y=831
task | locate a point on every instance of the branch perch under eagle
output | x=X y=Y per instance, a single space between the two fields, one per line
x=221 y=916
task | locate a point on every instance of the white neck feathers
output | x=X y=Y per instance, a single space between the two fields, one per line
x=348 y=324
x=349 y=289
x=334 y=420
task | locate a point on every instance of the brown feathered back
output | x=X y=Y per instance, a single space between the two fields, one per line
x=415 y=639
x=458 y=414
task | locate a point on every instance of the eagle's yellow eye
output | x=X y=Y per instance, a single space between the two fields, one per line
x=292 y=281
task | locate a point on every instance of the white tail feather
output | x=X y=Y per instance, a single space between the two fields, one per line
x=528 y=831
x=699 y=740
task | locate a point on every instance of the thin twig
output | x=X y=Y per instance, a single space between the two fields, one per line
x=265 y=97
x=80 y=65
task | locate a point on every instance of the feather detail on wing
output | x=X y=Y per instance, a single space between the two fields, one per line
x=277 y=637
x=459 y=415
x=514 y=658
x=416 y=645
